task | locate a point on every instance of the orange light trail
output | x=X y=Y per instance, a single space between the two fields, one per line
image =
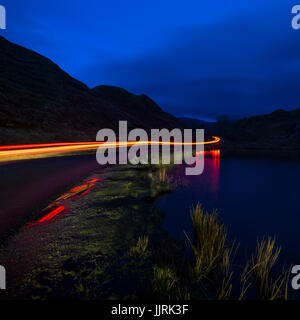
x=35 y=149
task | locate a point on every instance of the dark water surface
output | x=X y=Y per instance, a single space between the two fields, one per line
x=256 y=196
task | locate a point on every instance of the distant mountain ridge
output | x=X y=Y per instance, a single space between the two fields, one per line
x=279 y=129
x=39 y=102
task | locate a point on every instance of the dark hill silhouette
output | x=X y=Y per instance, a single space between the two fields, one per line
x=39 y=102
x=138 y=110
x=278 y=130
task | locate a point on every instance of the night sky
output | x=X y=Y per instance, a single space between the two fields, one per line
x=194 y=58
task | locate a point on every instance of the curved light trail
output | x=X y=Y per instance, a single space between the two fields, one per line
x=65 y=147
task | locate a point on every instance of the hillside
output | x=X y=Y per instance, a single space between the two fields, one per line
x=277 y=130
x=39 y=102
x=140 y=111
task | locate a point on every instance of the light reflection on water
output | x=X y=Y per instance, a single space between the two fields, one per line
x=255 y=196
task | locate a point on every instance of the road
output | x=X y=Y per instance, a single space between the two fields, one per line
x=27 y=185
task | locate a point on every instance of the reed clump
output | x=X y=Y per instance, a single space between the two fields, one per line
x=165 y=282
x=209 y=242
x=260 y=268
x=213 y=262
x=205 y=269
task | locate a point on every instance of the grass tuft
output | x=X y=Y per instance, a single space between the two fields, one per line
x=209 y=242
x=260 y=267
x=164 y=282
x=226 y=288
x=141 y=247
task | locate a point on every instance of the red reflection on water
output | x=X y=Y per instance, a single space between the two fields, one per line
x=214 y=167
x=206 y=185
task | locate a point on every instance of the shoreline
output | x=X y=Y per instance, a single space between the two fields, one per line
x=89 y=243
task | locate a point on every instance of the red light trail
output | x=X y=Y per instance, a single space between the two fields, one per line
x=52 y=214
x=63 y=147
x=55 y=208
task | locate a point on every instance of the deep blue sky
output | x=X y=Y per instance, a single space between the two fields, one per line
x=195 y=58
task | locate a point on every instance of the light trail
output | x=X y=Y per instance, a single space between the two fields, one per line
x=48 y=217
x=65 y=147
x=58 y=207
x=42 y=145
